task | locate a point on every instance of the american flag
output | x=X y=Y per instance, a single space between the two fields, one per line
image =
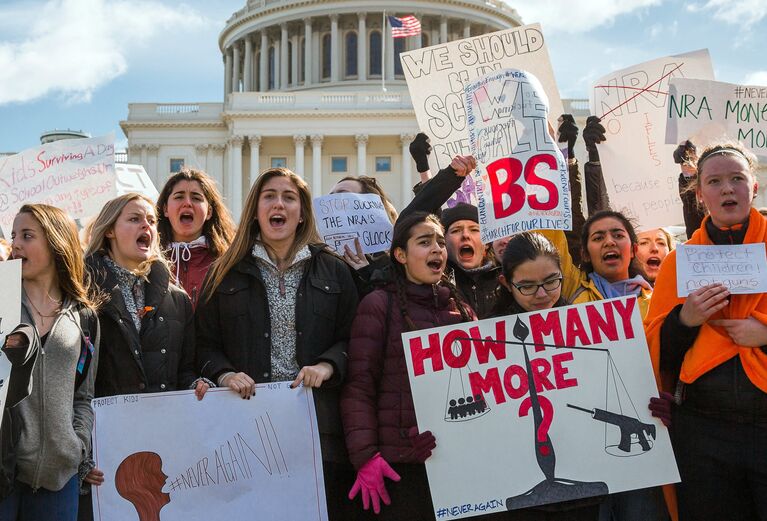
x=405 y=26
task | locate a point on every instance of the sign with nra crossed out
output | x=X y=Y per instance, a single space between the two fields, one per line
x=521 y=175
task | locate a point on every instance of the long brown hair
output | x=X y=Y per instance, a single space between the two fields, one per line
x=61 y=235
x=219 y=229
x=100 y=243
x=249 y=231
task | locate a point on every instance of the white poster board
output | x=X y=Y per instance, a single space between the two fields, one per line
x=638 y=165
x=76 y=175
x=10 y=317
x=342 y=218
x=742 y=268
x=521 y=176
x=133 y=178
x=707 y=111
x=437 y=75
x=219 y=458
x=578 y=427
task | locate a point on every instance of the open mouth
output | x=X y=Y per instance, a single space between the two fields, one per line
x=466 y=252
x=144 y=241
x=435 y=265
x=611 y=256
x=729 y=204
x=277 y=220
x=653 y=262
x=186 y=218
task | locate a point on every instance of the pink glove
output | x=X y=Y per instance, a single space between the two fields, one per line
x=661 y=407
x=370 y=480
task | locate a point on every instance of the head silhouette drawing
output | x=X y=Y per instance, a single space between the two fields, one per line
x=140 y=480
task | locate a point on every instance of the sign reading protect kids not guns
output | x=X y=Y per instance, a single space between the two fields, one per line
x=76 y=175
x=521 y=176
x=538 y=408
x=638 y=166
x=436 y=77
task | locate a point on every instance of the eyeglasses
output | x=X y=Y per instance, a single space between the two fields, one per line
x=532 y=289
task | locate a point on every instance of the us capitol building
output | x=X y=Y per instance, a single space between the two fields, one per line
x=314 y=85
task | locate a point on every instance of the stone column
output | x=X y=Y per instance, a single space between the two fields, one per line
x=317 y=164
x=202 y=156
x=284 y=55
x=212 y=169
x=334 y=54
x=153 y=170
x=407 y=167
x=466 y=29
x=299 y=141
x=294 y=59
x=227 y=71
x=277 y=64
x=255 y=157
x=362 y=47
x=143 y=157
x=236 y=67
x=248 y=73
x=234 y=176
x=134 y=151
x=443 y=29
x=415 y=41
x=362 y=154
x=263 y=66
x=307 y=51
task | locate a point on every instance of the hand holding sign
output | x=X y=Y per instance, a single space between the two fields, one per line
x=746 y=332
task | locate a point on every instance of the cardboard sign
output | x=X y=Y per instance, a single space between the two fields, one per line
x=708 y=111
x=436 y=77
x=521 y=177
x=638 y=165
x=342 y=218
x=76 y=175
x=10 y=317
x=538 y=408
x=742 y=268
x=133 y=178
x=219 y=458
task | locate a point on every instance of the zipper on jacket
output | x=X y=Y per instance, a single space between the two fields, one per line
x=436 y=295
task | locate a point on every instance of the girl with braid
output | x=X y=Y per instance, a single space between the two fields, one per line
x=376 y=402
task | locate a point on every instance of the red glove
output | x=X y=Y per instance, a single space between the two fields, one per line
x=422 y=443
x=661 y=407
x=370 y=481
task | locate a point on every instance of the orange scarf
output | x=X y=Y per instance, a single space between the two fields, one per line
x=713 y=345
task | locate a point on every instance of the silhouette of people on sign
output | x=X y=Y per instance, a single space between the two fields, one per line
x=140 y=480
x=469 y=406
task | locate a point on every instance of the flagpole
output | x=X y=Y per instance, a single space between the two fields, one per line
x=383 y=54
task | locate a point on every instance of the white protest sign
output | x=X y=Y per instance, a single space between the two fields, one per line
x=133 y=178
x=342 y=218
x=10 y=316
x=742 y=268
x=76 y=175
x=521 y=177
x=639 y=168
x=707 y=111
x=436 y=77
x=219 y=458
x=538 y=408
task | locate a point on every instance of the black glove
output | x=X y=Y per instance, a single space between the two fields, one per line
x=593 y=133
x=420 y=150
x=684 y=153
x=568 y=132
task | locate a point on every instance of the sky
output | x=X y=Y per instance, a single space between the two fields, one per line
x=78 y=63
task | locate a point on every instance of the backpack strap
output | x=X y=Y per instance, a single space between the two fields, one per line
x=575 y=295
x=89 y=326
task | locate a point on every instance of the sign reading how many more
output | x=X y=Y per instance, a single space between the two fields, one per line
x=76 y=175
x=346 y=217
x=10 y=316
x=707 y=111
x=538 y=408
x=436 y=77
x=521 y=177
x=638 y=165
x=742 y=268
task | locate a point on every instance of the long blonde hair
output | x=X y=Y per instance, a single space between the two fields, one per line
x=105 y=222
x=61 y=236
x=249 y=231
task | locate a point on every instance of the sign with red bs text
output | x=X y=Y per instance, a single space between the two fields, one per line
x=538 y=408
x=521 y=178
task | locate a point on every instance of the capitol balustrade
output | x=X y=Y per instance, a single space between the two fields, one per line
x=314 y=100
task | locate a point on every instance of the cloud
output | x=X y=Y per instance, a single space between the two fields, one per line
x=743 y=12
x=577 y=17
x=72 y=47
x=756 y=78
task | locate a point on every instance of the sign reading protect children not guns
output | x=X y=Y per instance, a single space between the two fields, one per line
x=538 y=408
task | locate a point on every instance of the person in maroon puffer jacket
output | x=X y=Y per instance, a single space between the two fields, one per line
x=195 y=227
x=376 y=402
